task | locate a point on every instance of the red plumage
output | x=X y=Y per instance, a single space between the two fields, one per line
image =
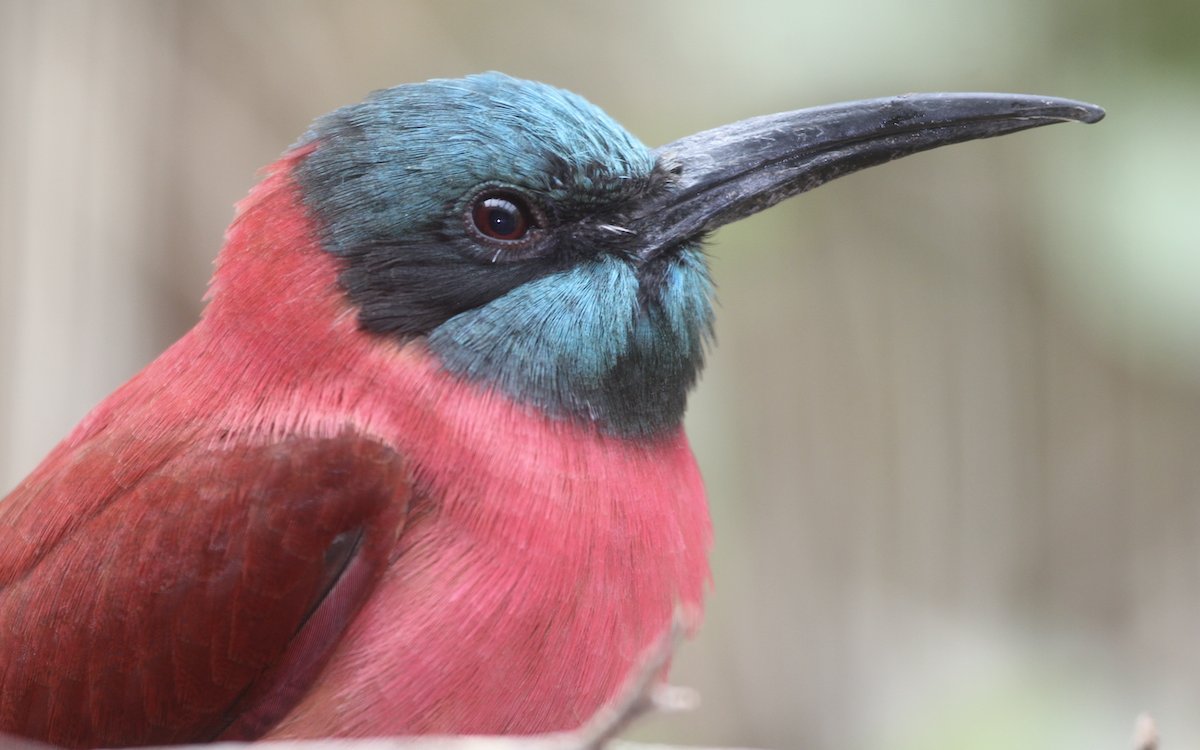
x=166 y=571
x=317 y=514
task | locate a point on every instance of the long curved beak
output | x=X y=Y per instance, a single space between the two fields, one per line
x=736 y=170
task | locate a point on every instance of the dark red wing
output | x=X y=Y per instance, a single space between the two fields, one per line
x=200 y=601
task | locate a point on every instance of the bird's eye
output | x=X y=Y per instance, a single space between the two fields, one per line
x=502 y=215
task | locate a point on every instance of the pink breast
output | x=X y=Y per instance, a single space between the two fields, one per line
x=540 y=560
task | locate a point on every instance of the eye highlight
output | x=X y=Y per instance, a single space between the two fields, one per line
x=502 y=215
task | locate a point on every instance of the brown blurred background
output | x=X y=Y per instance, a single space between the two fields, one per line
x=952 y=429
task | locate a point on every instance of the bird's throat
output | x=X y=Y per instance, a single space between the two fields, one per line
x=590 y=344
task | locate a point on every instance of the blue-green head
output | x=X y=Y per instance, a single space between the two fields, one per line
x=536 y=247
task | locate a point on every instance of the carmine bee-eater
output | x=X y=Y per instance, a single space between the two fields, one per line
x=420 y=466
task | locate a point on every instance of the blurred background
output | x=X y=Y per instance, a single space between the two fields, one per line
x=951 y=431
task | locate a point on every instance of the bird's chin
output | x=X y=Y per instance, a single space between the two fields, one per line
x=636 y=334
x=680 y=270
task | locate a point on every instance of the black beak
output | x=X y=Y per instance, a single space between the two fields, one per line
x=736 y=170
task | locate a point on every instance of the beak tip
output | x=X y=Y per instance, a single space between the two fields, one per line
x=1073 y=109
x=1090 y=113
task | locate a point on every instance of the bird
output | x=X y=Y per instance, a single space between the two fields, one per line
x=420 y=465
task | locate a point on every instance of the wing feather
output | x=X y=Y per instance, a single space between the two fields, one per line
x=201 y=599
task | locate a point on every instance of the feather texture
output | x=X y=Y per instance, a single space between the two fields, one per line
x=539 y=556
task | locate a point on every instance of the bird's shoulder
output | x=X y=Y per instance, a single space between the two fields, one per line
x=165 y=591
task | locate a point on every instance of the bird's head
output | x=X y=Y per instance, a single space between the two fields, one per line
x=490 y=217
x=534 y=246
